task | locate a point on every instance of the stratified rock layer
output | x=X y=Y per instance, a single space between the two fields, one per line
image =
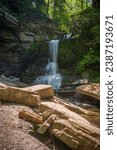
x=44 y=91
x=63 y=120
x=92 y=90
x=70 y=127
x=29 y=96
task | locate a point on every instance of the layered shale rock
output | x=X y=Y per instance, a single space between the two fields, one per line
x=44 y=91
x=23 y=46
x=69 y=127
x=92 y=90
x=62 y=119
x=29 y=96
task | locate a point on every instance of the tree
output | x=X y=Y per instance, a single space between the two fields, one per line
x=96 y=3
x=62 y=12
x=47 y=10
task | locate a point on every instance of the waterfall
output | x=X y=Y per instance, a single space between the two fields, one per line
x=52 y=76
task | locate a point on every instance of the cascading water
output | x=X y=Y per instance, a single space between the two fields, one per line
x=52 y=76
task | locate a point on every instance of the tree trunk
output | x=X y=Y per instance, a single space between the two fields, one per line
x=86 y=3
x=82 y=4
x=48 y=5
x=96 y=3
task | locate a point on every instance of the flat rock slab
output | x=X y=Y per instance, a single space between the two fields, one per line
x=69 y=127
x=92 y=90
x=44 y=91
x=29 y=95
x=14 y=131
x=19 y=95
x=60 y=110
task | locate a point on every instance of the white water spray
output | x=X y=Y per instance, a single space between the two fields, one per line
x=52 y=76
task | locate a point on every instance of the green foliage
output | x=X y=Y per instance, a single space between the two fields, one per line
x=82 y=54
x=90 y=66
x=89 y=61
x=89 y=37
x=63 y=11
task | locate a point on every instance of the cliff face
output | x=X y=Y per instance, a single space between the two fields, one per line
x=23 y=46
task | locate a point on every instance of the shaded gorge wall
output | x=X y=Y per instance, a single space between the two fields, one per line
x=23 y=46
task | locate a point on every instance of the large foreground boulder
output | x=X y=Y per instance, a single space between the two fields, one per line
x=75 y=135
x=29 y=96
x=18 y=95
x=69 y=127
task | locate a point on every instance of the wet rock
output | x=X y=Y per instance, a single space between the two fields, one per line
x=6 y=35
x=16 y=40
x=26 y=37
x=12 y=82
x=7 y=18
